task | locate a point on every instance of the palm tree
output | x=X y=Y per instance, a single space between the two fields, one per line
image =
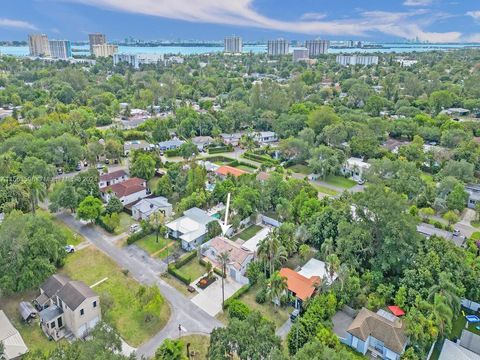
x=223 y=258
x=443 y=314
x=157 y=220
x=37 y=191
x=277 y=285
x=270 y=250
x=209 y=268
x=448 y=290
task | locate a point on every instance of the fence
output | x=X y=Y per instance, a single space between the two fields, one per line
x=471 y=305
x=269 y=221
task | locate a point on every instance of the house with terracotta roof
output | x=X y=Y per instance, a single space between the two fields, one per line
x=239 y=257
x=300 y=287
x=381 y=333
x=225 y=170
x=114 y=177
x=127 y=191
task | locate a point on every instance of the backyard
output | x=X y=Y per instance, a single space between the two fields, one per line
x=120 y=302
x=248 y=233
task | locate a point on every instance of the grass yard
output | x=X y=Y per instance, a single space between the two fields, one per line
x=177 y=284
x=33 y=336
x=324 y=190
x=150 y=245
x=73 y=238
x=340 y=181
x=300 y=169
x=458 y=325
x=152 y=183
x=121 y=305
x=125 y=221
x=198 y=346
x=267 y=309
x=248 y=233
x=193 y=269
x=245 y=168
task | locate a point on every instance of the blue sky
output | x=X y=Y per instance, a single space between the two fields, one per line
x=375 y=20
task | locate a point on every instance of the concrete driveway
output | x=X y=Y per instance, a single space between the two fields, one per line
x=210 y=299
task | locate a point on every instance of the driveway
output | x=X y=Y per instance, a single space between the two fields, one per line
x=210 y=299
x=185 y=313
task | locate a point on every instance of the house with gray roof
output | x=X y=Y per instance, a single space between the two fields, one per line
x=68 y=308
x=170 y=144
x=13 y=345
x=381 y=333
x=145 y=208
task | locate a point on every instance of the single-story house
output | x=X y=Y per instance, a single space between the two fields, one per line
x=456 y=112
x=191 y=228
x=455 y=351
x=202 y=141
x=225 y=170
x=239 y=258
x=127 y=192
x=69 y=308
x=265 y=137
x=473 y=191
x=130 y=146
x=317 y=268
x=299 y=286
x=111 y=178
x=14 y=346
x=355 y=168
x=381 y=333
x=233 y=139
x=143 y=209
x=170 y=144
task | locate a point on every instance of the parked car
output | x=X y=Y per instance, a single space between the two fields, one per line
x=99 y=166
x=107 y=161
x=78 y=167
x=361 y=181
x=134 y=228
x=456 y=232
x=115 y=161
x=295 y=313
x=85 y=163
x=59 y=171
x=69 y=249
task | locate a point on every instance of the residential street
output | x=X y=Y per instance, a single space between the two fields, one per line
x=184 y=312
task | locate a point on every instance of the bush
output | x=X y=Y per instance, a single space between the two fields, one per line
x=185 y=259
x=108 y=222
x=173 y=271
x=138 y=235
x=261 y=296
x=237 y=295
x=238 y=310
x=263 y=159
x=172 y=153
x=220 y=149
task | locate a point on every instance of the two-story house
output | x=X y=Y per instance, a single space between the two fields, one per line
x=127 y=191
x=381 y=333
x=115 y=177
x=69 y=308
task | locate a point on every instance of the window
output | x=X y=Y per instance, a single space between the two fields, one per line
x=94 y=304
x=60 y=322
x=52 y=324
x=82 y=312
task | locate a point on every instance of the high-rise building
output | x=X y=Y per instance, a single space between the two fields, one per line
x=233 y=44
x=60 y=49
x=317 y=47
x=96 y=39
x=365 y=60
x=138 y=59
x=300 y=54
x=278 y=47
x=38 y=45
x=104 y=50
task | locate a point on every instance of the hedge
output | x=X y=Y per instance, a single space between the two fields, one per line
x=237 y=295
x=172 y=152
x=220 y=149
x=215 y=270
x=106 y=227
x=185 y=259
x=138 y=235
x=264 y=159
x=173 y=271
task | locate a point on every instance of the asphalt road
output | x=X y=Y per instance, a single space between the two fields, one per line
x=191 y=318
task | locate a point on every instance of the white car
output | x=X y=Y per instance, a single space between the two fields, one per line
x=134 y=228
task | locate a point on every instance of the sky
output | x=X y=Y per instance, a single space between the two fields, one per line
x=254 y=20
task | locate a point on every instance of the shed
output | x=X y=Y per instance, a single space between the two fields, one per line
x=27 y=311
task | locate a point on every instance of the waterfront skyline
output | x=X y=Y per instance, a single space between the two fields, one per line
x=425 y=20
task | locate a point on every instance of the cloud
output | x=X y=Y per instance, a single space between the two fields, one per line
x=417 y=2
x=313 y=16
x=474 y=14
x=473 y=38
x=16 y=24
x=242 y=13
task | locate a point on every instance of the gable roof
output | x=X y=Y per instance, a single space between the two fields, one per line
x=237 y=255
x=151 y=205
x=113 y=175
x=454 y=351
x=127 y=187
x=192 y=224
x=53 y=284
x=14 y=346
x=300 y=285
x=390 y=331
x=230 y=170
x=470 y=341
x=75 y=293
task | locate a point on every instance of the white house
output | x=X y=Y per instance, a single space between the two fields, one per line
x=130 y=146
x=318 y=268
x=170 y=144
x=191 y=228
x=143 y=209
x=202 y=141
x=127 y=192
x=114 y=177
x=265 y=137
x=239 y=258
x=14 y=346
x=355 y=168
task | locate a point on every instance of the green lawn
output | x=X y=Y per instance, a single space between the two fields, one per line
x=248 y=233
x=150 y=245
x=73 y=238
x=198 y=345
x=193 y=269
x=324 y=190
x=125 y=221
x=301 y=169
x=152 y=183
x=245 y=168
x=267 y=309
x=459 y=324
x=340 y=181
x=33 y=336
x=118 y=295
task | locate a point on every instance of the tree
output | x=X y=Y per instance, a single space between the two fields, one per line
x=276 y=287
x=63 y=196
x=164 y=186
x=160 y=131
x=322 y=117
x=440 y=99
x=326 y=161
x=270 y=251
x=143 y=166
x=451 y=217
x=90 y=209
x=224 y=259
x=187 y=150
x=37 y=191
x=157 y=220
x=443 y=315
x=114 y=205
x=213 y=229
x=171 y=350
x=457 y=198
x=448 y=290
